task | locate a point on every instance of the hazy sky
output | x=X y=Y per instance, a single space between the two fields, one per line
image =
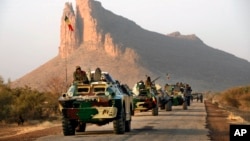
x=30 y=29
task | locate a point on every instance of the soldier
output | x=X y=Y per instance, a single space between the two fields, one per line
x=97 y=74
x=188 y=91
x=88 y=73
x=80 y=75
x=148 y=82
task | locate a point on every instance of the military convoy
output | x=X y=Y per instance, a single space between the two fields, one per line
x=98 y=103
x=103 y=100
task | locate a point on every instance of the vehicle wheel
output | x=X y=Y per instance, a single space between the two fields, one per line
x=168 y=106
x=68 y=127
x=185 y=105
x=119 y=123
x=128 y=123
x=128 y=126
x=162 y=107
x=81 y=127
x=188 y=101
x=132 y=111
x=155 y=111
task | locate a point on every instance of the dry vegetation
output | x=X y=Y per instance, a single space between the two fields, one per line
x=24 y=103
x=235 y=100
x=238 y=97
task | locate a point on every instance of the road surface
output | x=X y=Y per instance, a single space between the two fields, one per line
x=175 y=125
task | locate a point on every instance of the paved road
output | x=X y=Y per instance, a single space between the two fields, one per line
x=176 y=125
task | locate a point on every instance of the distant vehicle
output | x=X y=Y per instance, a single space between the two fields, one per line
x=98 y=102
x=198 y=96
x=177 y=95
x=145 y=99
x=165 y=100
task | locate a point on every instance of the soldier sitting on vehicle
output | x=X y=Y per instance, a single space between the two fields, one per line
x=97 y=74
x=80 y=75
x=148 y=82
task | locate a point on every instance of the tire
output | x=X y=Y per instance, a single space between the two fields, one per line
x=162 y=107
x=168 y=106
x=119 y=123
x=128 y=122
x=155 y=111
x=188 y=100
x=81 y=127
x=68 y=127
x=132 y=110
x=185 y=107
x=128 y=126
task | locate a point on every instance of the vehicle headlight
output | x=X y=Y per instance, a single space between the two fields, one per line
x=70 y=94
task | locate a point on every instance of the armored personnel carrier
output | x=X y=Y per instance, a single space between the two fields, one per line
x=145 y=98
x=99 y=102
x=165 y=100
x=177 y=95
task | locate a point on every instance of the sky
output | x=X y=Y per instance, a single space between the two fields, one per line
x=30 y=29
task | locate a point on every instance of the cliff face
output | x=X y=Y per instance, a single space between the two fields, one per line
x=69 y=39
x=87 y=32
x=129 y=52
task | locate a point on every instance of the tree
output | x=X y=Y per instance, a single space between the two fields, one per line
x=55 y=86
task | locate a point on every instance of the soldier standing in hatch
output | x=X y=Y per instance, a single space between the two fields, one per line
x=80 y=75
x=148 y=82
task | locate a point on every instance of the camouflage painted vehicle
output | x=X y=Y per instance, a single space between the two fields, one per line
x=165 y=101
x=98 y=103
x=145 y=98
x=177 y=95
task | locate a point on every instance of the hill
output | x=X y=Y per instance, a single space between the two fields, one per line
x=129 y=52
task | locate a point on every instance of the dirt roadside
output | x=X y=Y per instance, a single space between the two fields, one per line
x=217 y=123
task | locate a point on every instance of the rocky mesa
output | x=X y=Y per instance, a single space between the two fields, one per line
x=129 y=52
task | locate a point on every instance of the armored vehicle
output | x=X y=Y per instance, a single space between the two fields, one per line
x=177 y=95
x=98 y=102
x=165 y=100
x=145 y=98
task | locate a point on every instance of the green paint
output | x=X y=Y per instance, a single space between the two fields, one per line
x=175 y=101
x=85 y=104
x=86 y=114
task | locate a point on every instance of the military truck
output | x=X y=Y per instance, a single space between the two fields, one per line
x=177 y=95
x=99 y=102
x=145 y=98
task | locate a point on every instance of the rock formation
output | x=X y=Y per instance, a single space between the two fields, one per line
x=87 y=32
x=129 y=52
x=69 y=39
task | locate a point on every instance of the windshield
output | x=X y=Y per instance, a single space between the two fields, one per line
x=99 y=89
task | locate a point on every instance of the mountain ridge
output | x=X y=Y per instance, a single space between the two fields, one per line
x=129 y=52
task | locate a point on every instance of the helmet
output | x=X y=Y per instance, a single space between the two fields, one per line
x=78 y=67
